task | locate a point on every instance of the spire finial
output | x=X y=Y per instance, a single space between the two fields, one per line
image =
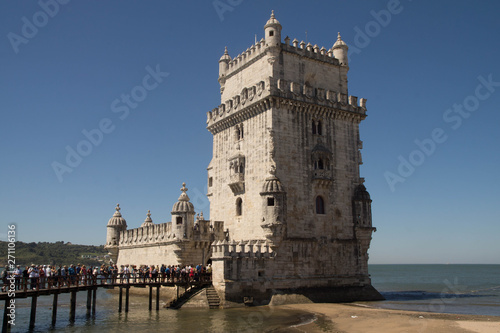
x=272 y=13
x=184 y=188
x=148 y=214
x=225 y=50
x=118 y=207
x=338 y=36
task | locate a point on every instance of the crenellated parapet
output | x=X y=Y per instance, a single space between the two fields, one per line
x=258 y=98
x=310 y=51
x=153 y=234
x=242 y=249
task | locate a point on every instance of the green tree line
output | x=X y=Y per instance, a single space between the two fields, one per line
x=58 y=253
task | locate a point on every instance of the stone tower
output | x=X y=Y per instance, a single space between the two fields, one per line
x=284 y=177
x=116 y=225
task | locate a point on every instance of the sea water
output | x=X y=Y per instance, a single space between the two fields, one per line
x=461 y=289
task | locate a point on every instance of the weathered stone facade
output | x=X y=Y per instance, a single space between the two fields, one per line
x=290 y=218
x=284 y=177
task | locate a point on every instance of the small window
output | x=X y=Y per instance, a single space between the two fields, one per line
x=270 y=201
x=313 y=127
x=319 y=128
x=320 y=205
x=271 y=33
x=210 y=182
x=320 y=164
x=239 y=207
x=178 y=220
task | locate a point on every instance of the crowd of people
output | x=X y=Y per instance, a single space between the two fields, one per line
x=48 y=276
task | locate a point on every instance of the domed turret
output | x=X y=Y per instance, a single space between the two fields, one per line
x=148 y=221
x=272 y=30
x=183 y=205
x=116 y=224
x=274 y=207
x=183 y=215
x=340 y=51
x=224 y=63
x=117 y=219
x=361 y=204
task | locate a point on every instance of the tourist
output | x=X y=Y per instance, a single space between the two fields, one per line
x=33 y=275
x=18 y=275
x=5 y=276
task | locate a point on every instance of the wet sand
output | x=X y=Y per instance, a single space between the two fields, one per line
x=352 y=318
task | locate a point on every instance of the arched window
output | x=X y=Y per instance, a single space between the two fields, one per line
x=316 y=127
x=320 y=164
x=320 y=205
x=239 y=207
x=178 y=220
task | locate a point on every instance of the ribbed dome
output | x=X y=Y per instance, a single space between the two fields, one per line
x=272 y=21
x=148 y=221
x=225 y=56
x=339 y=42
x=272 y=185
x=361 y=194
x=117 y=219
x=183 y=205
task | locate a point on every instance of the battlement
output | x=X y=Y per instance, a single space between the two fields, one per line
x=258 y=50
x=234 y=108
x=310 y=51
x=242 y=249
x=162 y=233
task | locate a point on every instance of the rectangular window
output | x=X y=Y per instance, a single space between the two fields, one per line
x=210 y=181
x=178 y=220
x=270 y=201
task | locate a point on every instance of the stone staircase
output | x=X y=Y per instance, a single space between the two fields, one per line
x=213 y=298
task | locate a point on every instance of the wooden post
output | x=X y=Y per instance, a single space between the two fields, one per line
x=54 y=310
x=89 y=301
x=33 y=312
x=150 y=297
x=5 y=324
x=158 y=298
x=94 y=298
x=127 y=288
x=72 y=309
x=120 y=300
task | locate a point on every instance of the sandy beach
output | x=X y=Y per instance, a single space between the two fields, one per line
x=352 y=318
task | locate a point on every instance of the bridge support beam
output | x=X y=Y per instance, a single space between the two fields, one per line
x=120 y=300
x=89 y=301
x=127 y=288
x=150 y=298
x=72 y=306
x=94 y=292
x=158 y=298
x=54 y=310
x=33 y=312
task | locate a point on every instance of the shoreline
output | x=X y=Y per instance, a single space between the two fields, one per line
x=352 y=318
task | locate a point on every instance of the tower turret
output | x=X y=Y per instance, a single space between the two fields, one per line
x=148 y=222
x=116 y=224
x=183 y=215
x=340 y=51
x=272 y=30
x=224 y=63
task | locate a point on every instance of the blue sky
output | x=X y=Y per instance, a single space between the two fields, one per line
x=429 y=70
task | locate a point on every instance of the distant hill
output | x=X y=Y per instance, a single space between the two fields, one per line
x=58 y=253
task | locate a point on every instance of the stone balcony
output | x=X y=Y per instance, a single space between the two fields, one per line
x=322 y=177
x=237 y=183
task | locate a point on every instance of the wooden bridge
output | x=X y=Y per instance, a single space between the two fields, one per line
x=27 y=287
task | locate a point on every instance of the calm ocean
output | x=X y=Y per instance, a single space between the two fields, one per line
x=462 y=289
